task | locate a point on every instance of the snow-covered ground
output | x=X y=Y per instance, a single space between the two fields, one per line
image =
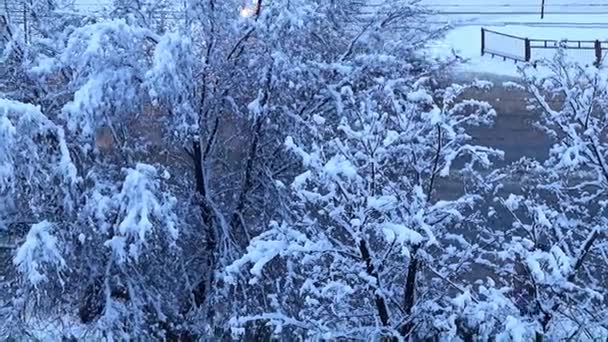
x=511 y=11
x=564 y=19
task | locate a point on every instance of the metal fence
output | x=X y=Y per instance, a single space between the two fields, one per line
x=13 y=12
x=523 y=49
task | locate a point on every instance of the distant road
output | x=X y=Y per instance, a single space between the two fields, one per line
x=558 y=13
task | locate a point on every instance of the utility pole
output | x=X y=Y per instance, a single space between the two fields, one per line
x=542 y=9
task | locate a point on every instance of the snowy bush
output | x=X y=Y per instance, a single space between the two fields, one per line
x=553 y=254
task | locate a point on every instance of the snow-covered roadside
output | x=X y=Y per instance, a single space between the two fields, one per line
x=465 y=41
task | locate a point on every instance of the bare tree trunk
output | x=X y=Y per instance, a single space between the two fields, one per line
x=371 y=270
x=258 y=125
x=201 y=290
x=410 y=291
x=236 y=219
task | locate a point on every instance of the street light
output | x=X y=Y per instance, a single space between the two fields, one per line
x=246 y=12
x=251 y=8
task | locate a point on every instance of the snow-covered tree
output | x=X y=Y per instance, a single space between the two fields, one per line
x=370 y=243
x=38 y=182
x=92 y=225
x=553 y=256
x=266 y=75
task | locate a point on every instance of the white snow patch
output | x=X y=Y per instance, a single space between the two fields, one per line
x=40 y=249
x=401 y=234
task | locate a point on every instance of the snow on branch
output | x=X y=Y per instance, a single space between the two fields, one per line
x=27 y=133
x=144 y=214
x=39 y=254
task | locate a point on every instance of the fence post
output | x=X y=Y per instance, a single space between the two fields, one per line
x=598 y=53
x=528 y=50
x=483 y=41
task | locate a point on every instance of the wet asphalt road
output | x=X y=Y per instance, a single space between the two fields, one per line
x=513 y=131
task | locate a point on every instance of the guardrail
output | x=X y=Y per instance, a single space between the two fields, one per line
x=523 y=49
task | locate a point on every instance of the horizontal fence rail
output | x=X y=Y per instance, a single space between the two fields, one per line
x=523 y=49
